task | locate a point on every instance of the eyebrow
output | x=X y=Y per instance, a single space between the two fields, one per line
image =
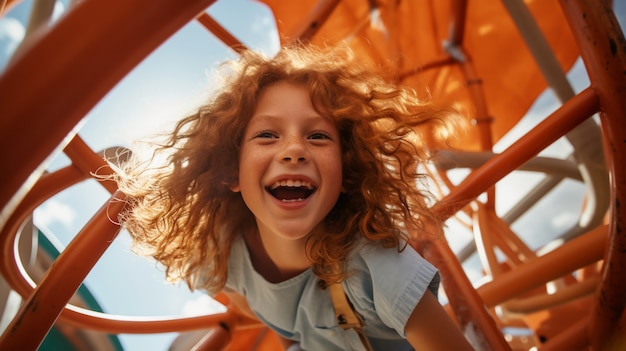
x=308 y=118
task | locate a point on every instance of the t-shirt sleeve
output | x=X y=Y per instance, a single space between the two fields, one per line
x=398 y=282
x=236 y=272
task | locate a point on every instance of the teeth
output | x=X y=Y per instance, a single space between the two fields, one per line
x=292 y=183
x=292 y=200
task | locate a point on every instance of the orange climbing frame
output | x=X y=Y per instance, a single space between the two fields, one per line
x=113 y=50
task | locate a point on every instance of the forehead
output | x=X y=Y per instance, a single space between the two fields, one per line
x=284 y=100
x=282 y=95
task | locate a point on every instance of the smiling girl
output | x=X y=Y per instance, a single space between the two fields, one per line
x=301 y=174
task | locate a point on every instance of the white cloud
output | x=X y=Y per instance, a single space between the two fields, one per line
x=267 y=26
x=11 y=34
x=563 y=221
x=59 y=9
x=203 y=304
x=55 y=212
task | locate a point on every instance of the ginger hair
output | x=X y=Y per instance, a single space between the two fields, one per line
x=184 y=214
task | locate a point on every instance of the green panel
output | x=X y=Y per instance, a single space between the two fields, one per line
x=55 y=340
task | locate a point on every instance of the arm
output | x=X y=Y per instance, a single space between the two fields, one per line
x=241 y=304
x=430 y=328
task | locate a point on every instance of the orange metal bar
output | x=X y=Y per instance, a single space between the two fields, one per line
x=108 y=323
x=509 y=239
x=42 y=308
x=484 y=242
x=563 y=295
x=89 y=162
x=458 y=16
x=220 y=32
x=603 y=49
x=103 y=322
x=444 y=61
x=576 y=253
x=87 y=66
x=572 y=113
x=482 y=121
x=6 y=5
x=116 y=324
x=469 y=311
x=573 y=338
x=216 y=339
x=46 y=187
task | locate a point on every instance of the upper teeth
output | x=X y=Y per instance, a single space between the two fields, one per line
x=292 y=183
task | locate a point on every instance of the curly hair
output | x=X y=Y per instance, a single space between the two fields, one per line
x=185 y=215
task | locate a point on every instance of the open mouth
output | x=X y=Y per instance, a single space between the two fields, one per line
x=291 y=190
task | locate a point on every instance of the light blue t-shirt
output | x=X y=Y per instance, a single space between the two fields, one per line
x=383 y=285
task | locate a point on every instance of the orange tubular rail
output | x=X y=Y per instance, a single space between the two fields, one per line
x=603 y=49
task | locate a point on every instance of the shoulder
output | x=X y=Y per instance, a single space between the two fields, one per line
x=238 y=261
x=389 y=281
x=379 y=262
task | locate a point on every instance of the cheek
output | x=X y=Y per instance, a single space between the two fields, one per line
x=334 y=165
x=252 y=164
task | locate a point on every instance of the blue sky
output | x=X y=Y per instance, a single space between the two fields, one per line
x=165 y=86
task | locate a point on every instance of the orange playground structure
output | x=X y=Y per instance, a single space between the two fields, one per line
x=491 y=59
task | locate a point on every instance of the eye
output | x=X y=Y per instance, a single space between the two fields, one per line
x=320 y=136
x=265 y=134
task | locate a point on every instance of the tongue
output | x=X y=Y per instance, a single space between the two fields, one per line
x=289 y=193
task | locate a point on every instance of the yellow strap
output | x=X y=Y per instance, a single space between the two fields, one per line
x=346 y=317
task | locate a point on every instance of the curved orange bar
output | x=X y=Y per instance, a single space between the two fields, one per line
x=84 y=163
x=603 y=49
x=115 y=324
x=39 y=312
x=51 y=184
x=47 y=186
x=574 y=254
x=82 y=318
x=42 y=308
x=87 y=66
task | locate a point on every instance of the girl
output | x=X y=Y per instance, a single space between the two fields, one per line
x=301 y=174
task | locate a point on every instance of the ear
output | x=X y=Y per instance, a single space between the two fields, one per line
x=234 y=187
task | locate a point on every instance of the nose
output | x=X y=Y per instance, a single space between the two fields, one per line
x=294 y=151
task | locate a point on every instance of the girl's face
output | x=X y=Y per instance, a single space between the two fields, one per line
x=290 y=173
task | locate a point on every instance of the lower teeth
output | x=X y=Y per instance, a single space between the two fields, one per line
x=291 y=200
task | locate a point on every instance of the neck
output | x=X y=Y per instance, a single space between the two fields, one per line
x=277 y=259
